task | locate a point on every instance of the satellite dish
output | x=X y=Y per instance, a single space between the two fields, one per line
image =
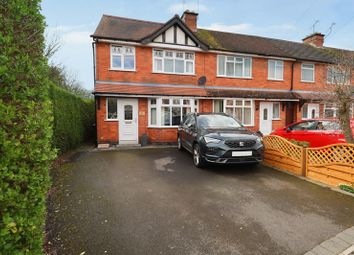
x=202 y=80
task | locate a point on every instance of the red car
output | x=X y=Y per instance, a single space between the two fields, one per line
x=318 y=132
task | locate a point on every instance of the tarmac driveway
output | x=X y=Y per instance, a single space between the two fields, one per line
x=154 y=201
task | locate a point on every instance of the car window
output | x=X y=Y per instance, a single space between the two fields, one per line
x=330 y=125
x=186 y=119
x=190 y=120
x=306 y=125
x=217 y=121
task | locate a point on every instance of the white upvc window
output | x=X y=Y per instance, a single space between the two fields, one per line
x=337 y=77
x=122 y=58
x=173 y=62
x=276 y=111
x=169 y=112
x=307 y=72
x=275 y=70
x=241 y=109
x=111 y=108
x=329 y=110
x=234 y=66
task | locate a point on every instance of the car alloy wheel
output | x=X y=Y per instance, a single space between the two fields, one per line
x=197 y=159
x=179 y=143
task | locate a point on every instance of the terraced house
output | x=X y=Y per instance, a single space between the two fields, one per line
x=149 y=75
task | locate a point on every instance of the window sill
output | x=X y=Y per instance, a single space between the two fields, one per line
x=231 y=77
x=308 y=81
x=111 y=120
x=183 y=74
x=122 y=70
x=162 y=127
x=276 y=119
x=270 y=79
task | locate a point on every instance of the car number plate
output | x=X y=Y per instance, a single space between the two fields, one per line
x=241 y=153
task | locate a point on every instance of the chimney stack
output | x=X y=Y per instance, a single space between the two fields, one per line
x=190 y=19
x=315 y=39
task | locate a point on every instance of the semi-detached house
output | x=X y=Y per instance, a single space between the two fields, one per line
x=149 y=75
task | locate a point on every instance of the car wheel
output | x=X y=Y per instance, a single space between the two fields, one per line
x=179 y=143
x=197 y=157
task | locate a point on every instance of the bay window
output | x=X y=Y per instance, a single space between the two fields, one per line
x=169 y=112
x=235 y=67
x=175 y=62
x=241 y=109
x=275 y=69
x=122 y=58
x=307 y=72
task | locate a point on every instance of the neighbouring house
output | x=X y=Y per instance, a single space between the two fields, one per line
x=149 y=75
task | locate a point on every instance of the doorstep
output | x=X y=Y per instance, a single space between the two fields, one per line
x=117 y=147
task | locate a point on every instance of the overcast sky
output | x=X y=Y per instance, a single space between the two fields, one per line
x=74 y=21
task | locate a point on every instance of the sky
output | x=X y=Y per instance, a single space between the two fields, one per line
x=71 y=22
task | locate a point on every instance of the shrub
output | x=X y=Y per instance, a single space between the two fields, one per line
x=25 y=128
x=73 y=119
x=348 y=188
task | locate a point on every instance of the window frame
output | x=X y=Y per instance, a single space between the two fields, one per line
x=334 y=71
x=307 y=68
x=234 y=62
x=276 y=63
x=193 y=105
x=278 y=118
x=174 y=58
x=108 y=119
x=333 y=108
x=242 y=107
x=122 y=56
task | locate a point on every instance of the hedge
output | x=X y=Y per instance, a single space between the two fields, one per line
x=73 y=119
x=25 y=128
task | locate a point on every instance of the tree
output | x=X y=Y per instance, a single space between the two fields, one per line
x=340 y=88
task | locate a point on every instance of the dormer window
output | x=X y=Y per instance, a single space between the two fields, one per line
x=122 y=58
x=173 y=62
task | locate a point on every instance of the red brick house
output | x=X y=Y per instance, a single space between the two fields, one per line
x=149 y=75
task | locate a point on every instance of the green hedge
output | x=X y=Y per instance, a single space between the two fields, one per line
x=73 y=119
x=25 y=128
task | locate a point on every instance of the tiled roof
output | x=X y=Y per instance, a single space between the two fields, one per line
x=111 y=27
x=193 y=92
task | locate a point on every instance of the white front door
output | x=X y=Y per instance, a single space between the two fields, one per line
x=313 y=111
x=265 y=118
x=128 y=121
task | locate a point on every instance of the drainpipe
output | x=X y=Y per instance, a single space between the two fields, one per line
x=292 y=76
x=94 y=84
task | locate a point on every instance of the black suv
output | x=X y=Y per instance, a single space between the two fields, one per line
x=218 y=138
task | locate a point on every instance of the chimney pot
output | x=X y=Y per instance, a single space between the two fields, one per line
x=315 y=39
x=190 y=19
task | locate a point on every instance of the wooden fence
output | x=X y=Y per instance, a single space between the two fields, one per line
x=332 y=165
x=284 y=155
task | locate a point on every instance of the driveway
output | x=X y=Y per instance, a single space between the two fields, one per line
x=154 y=201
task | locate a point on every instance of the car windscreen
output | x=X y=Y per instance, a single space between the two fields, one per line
x=217 y=121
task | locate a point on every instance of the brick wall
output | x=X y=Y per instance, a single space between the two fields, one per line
x=205 y=65
x=107 y=131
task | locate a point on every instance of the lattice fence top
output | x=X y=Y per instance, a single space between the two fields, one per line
x=336 y=154
x=282 y=146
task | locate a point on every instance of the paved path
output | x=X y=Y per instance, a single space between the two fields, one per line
x=341 y=244
x=156 y=202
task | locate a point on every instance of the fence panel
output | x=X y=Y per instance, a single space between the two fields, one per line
x=332 y=165
x=284 y=155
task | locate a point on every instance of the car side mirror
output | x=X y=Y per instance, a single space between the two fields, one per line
x=191 y=125
x=288 y=129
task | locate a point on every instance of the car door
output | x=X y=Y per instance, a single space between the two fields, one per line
x=189 y=132
x=331 y=133
x=304 y=131
x=182 y=129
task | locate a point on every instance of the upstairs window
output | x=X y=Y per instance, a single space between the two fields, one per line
x=235 y=67
x=337 y=77
x=122 y=58
x=275 y=69
x=174 y=62
x=308 y=73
